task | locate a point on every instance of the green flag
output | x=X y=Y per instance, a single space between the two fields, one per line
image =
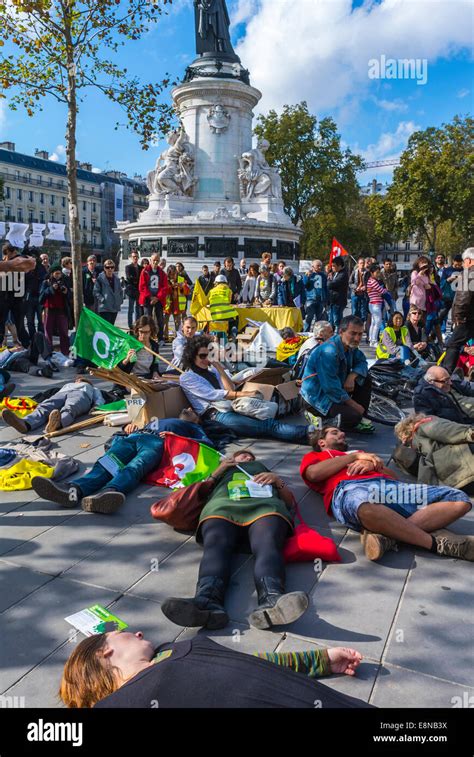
x=100 y=342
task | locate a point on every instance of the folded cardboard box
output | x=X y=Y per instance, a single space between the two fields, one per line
x=166 y=401
x=288 y=390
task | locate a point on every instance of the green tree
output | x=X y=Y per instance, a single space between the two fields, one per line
x=319 y=177
x=59 y=48
x=434 y=183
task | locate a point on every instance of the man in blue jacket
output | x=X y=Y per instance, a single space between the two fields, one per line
x=315 y=284
x=336 y=379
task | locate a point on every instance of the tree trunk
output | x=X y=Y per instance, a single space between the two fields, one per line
x=71 y=169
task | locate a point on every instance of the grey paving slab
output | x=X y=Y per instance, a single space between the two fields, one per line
x=353 y=602
x=129 y=556
x=13 y=500
x=437 y=612
x=17 y=582
x=359 y=686
x=35 y=627
x=399 y=687
x=29 y=521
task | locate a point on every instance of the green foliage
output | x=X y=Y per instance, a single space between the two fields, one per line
x=60 y=45
x=319 y=177
x=434 y=184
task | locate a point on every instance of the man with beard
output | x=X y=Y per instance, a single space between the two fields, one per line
x=364 y=495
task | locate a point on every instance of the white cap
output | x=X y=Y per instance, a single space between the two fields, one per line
x=221 y=279
x=468 y=254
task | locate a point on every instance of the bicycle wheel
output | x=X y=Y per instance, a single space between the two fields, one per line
x=384 y=410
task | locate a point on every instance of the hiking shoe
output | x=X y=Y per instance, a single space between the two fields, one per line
x=54 y=422
x=450 y=544
x=14 y=421
x=334 y=422
x=375 y=545
x=313 y=420
x=47 y=489
x=105 y=502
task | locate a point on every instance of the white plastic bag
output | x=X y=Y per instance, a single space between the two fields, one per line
x=255 y=408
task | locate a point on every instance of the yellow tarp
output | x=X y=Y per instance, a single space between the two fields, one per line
x=21 y=406
x=289 y=347
x=278 y=317
x=19 y=476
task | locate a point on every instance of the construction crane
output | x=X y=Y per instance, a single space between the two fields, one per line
x=380 y=163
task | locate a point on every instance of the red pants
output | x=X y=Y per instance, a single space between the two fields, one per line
x=56 y=319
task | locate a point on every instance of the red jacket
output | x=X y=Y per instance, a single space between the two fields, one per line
x=144 y=293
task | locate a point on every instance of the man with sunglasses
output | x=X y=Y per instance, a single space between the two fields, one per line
x=108 y=291
x=437 y=393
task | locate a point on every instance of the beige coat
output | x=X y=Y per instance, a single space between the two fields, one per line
x=445 y=454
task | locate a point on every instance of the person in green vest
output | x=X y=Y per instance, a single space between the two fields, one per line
x=176 y=299
x=395 y=340
x=221 y=307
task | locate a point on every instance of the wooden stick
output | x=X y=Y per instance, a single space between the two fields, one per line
x=95 y=421
x=175 y=367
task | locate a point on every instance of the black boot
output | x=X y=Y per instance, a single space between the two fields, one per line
x=275 y=608
x=206 y=609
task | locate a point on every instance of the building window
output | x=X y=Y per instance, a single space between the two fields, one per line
x=50 y=182
x=42 y=198
x=407 y=257
x=19 y=215
x=39 y=179
x=63 y=218
x=395 y=258
x=83 y=205
x=19 y=194
x=8 y=213
x=52 y=217
x=28 y=176
x=420 y=246
x=7 y=193
x=407 y=245
x=84 y=223
x=17 y=175
x=63 y=202
x=94 y=241
x=52 y=199
x=41 y=216
x=93 y=207
x=30 y=216
x=30 y=196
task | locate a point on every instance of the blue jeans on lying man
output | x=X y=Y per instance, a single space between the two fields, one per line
x=402 y=497
x=140 y=454
x=257 y=429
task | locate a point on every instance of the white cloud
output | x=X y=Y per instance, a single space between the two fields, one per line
x=59 y=155
x=463 y=93
x=3 y=117
x=319 y=50
x=390 y=144
x=391 y=105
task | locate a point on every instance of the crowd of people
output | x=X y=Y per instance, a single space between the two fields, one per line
x=243 y=502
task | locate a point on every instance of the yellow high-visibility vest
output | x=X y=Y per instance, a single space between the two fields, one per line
x=381 y=352
x=181 y=299
x=220 y=303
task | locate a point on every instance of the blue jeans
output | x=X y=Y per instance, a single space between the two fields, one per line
x=140 y=453
x=335 y=316
x=269 y=429
x=404 y=498
x=360 y=306
x=314 y=309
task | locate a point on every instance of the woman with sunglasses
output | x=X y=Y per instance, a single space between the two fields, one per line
x=141 y=362
x=108 y=292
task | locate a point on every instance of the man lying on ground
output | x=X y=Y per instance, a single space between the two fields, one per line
x=364 y=495
x=59 y=411
x=444 y=450
x=128 y=460
x=445 y=396
x=336 y=381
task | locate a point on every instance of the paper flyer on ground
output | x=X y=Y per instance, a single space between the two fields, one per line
x=95 y=619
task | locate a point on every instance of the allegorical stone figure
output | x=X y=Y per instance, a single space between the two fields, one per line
x=212 y=27
x=257 y=178
x=174 y=170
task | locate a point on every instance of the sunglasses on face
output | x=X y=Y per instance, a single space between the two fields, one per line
x=110 y=267
x=203 y=355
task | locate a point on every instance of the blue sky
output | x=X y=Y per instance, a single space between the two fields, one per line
x=317 y=50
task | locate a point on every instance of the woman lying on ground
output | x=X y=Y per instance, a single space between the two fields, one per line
x=249 y=504
x=122 y=669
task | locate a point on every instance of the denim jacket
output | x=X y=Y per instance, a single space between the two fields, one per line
x=316 y=287
x=326 y=371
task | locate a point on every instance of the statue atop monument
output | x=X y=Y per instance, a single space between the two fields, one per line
x=212 y=29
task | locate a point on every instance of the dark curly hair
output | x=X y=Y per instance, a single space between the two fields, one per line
x=192 y=348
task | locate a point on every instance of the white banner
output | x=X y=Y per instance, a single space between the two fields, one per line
x=36 y=238
x=118 y=202
x=2 y=229
x=16 y=234
x=56 y=232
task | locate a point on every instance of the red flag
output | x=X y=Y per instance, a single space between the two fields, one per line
x=184 y=462
x=337 y=250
